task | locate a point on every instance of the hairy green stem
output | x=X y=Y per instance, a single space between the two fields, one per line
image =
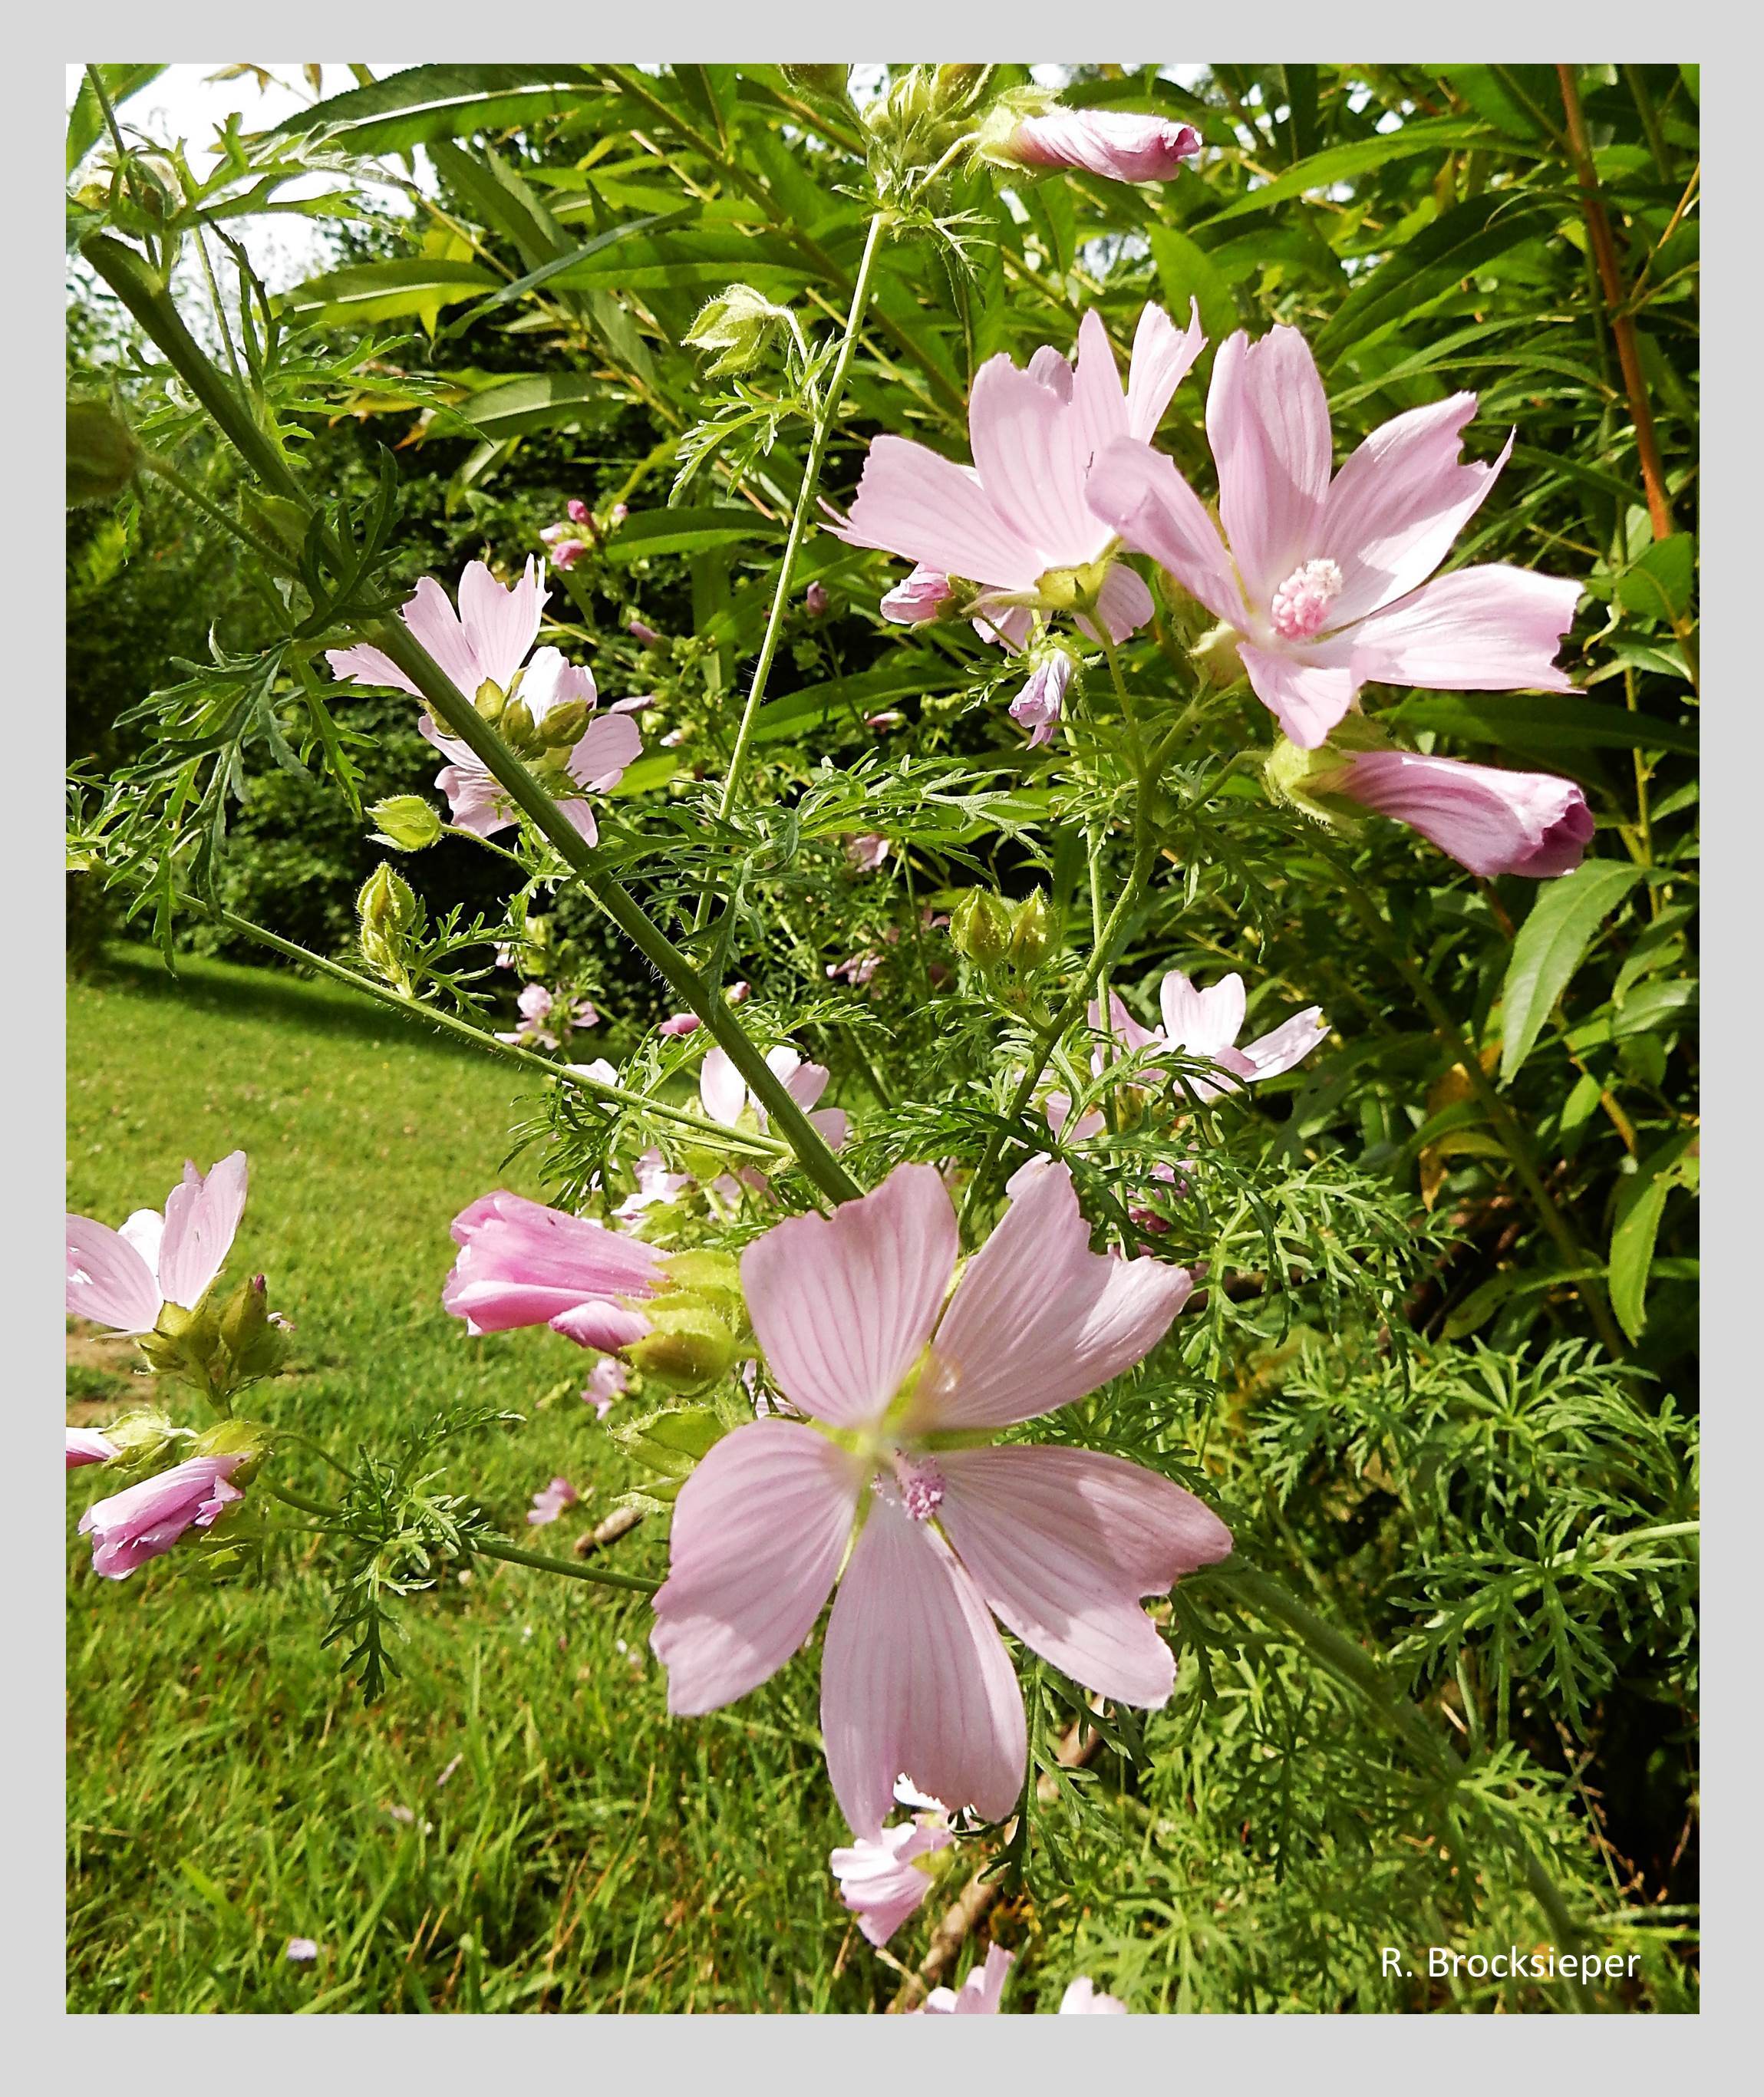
x=272 y=556
x=703 y=1130
x=817 y=447
x=487 y=1547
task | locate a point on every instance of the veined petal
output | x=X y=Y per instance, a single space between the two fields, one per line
x=1483 y=629
x=551 y=680
x=1202 y=1021
x=843 y=1304
x=1307 y=693
x=202 y=1215
x=1267 y=421
x=912 y=501
x=432 y=619
x=610 y=743
x=1039 y=1319
x=1064 y=1544
x=1138 y=493
x=500 y=624
x=758 y=1530
x=1027 y=448
x=1394 y=510
x=914 y=1678
x=1099 y=407
x=1162 y=359
x=363 y=665
x=722 y=1089
x=1123 y=603
x=1290 y=1043
x=108 y=1281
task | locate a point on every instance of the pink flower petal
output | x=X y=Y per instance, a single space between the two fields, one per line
x=363 y=665
x=1162 y=359
x=1289 y=1045
x=1120 y=145
x=1398 y=502
x=1486 y=629
x=1267 y=421
x=1099 y=407
x=1123 y=603
x=980 y=1993
x=1138 y=493
x=913 y=503
x=842 y=1304
x=202 y=1216
x=915 y=1679
x=86 y=1445
x=108 y=1281
x=1025 y=447
x=878 y=1880
x=500 y=625
x=758 y=1530
x=430 y=617
x=1201 y=1022
x=1307 y=694
x=609 y=744
x=1082 y=1999
x=1038 y=1319
x=1064 y=1544
x=722 y=1089
x=1489 y=821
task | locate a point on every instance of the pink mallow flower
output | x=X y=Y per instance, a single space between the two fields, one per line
x=1324 y=585
x=1203 y=1025
x=543 y=1017
x=1081 y=1999
x=1037 y=706
x=1020 y=512
x=608 y=1382
x=655 y=1183
x=1060 y=1543
x=865 y=853
x=1120 y=145
x=120 y=1278
x=882 y=1882
x=521 y=1264
x=86 y=1445
x=489 y=642
x=980 y=1994
x=680 y=1023
x=723 y=1094
x=550 y=1501
x=1489 y=821
x=145 y=1520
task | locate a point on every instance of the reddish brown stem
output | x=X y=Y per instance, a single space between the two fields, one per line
x=1622 y=326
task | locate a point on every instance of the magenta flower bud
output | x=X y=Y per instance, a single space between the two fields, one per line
x=86 y=1445
x=920 y=597
x=1037 y=706
x=738 y=993
x=521 y=1264
x=639 y=631
x=577 y=510
x=1120 y=145
x=814 y=600
x=617 y=513
x=1491 y=821
x=146 y=1519
x=566 y=552
x=679 y=1022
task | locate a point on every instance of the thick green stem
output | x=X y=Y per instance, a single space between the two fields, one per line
x=488 y=1547
x=817 y=447
x=703 y=1130
x=463 y=720
x=1364 y=1674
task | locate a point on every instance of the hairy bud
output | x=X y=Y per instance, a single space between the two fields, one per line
x=563 y=727
x=101 y=452
x=981 y=925
x=388 y=912
x=687 y=1345
x=1032 y=933
x=407 y=822
x=738 y=325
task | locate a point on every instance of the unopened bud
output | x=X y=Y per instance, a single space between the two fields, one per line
x=490 y=699
x=1031 y=934
x=388 y=911
x=672 y=1442
x=250 y=1336
x=142 y=1437
x=980 y=926
x=244 y=1438
x=516 y=725
x=824 y=80
x=407 y=822
x=712 y=1278
x=738 y=325
x=1215 y=656
x=101 y=452
x=687 y=1345
x=562 y=728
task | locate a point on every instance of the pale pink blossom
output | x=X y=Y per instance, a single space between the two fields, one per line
x=856 y=968
x=1020 y=511
x=881 y=1881
x=1060 y=1543
x=1325 y=582
x=980 y=1994
x=1081 y=1999
x=600 y=1070
x=814 y=600
x=301 y=1951
x=680 y=1023
x=543 y=1017
x=120 y=1278
x=144 y=1521
x=1037 y=706
x=655 y=1183
x=1203 y=1025
x=565 y=553
x=489 y=641
x=1120 y=145
x=867 y=852
x=608 y=1382
x=550 y=1501
x=1489 y=821
x=1057 y=1108
x=920 y=598
x=521 y=1264
x=617 y=513
x=86 y=1445
x=738 y=993
x=723 y=1094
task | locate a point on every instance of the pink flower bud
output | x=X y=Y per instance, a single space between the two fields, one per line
x=577 y=510
x=1489 y=821
x=1037 y=706
x=639 y=631
x=1120 y=145
x=146 y=1519
x=680 y=1023
x=86 y=1445
x=921 y=596
x=815 y=601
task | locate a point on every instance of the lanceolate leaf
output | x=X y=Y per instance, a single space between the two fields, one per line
x=425 y=103
x=1551 y=943
x=1469 y=236
x=386 y=291
x=85 y=120
x=1340 y=163
x=1639 y=1206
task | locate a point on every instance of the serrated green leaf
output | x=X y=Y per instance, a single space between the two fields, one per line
x=1552 y=942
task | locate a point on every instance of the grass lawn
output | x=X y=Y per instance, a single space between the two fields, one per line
x=518 y=1825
